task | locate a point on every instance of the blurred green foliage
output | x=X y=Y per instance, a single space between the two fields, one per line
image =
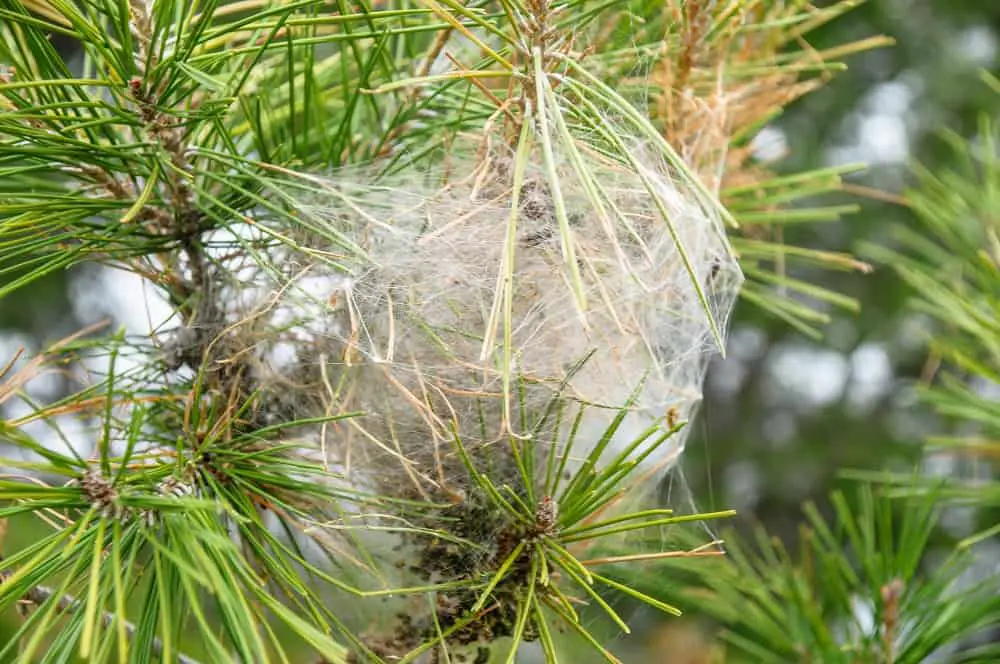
x=935 y=65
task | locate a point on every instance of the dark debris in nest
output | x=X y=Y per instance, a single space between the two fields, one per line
x=433 y=560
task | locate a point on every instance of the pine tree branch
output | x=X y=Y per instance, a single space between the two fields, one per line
x=67 y=603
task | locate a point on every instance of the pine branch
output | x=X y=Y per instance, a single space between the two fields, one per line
x=950 y=259
x=858 y=586
x=68 y=604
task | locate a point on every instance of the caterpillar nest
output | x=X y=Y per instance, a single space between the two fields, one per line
x=388 y=301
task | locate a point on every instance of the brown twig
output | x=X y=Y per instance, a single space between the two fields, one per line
x=891 y=594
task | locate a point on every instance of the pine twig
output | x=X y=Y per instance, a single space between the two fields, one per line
x=41 y=594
